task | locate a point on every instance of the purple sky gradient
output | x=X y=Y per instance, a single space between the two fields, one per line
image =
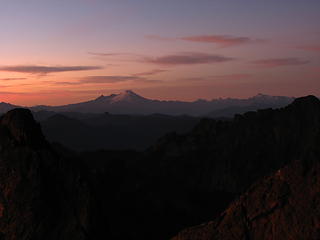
x=49 y=47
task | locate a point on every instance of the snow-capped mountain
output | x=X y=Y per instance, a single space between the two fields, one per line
x=125 y=102
x=128 y=102
x=127 y=96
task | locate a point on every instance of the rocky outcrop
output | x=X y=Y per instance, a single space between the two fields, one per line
x=19 y=126
x=41 y=196
x=285 y=205
x=182 y=181
x=231 y=155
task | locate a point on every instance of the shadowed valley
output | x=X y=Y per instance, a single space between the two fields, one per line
x=249 y=177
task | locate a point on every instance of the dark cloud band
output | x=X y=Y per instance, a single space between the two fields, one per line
x=188 y=59
x=280 y=62
x=34 y=69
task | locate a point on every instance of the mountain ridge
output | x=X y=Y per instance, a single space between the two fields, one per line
x=264 y=165
x=128 y=102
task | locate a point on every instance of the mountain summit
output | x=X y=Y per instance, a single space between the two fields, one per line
x=125 y=96
x=129 y=102
x=128 y=96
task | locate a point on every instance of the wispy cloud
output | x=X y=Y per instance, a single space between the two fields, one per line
x=7 y=93
x=280 y=62
x=228 y=77
x=12 y=79
x=116 y=57
x=64 y=83
x=14 y=93
x=188 y=59
x=38 y=93
x=157 y=37
x=100 y=80
x=148 y=81
x=150 y=73
x=225 y=77
x=184 y=58
x=43 y=70
x=106 y=54
x=310 y=48
x=222 y=40
x=108 y=79
x=114 y=54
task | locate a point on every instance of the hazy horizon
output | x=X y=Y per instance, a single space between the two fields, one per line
x=54 y=53
x=123 y=91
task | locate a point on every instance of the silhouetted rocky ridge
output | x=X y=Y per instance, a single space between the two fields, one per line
x=264 y=165
x=284 y=205
x=41 y=196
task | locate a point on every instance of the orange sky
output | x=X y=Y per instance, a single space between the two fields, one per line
x=57 y=53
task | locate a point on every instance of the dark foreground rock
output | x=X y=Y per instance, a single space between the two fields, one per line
x=41 y=196
x=285 y=205
x=49 y=192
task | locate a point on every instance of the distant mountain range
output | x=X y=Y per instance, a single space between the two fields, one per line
x=256 y=176
x=128 y=102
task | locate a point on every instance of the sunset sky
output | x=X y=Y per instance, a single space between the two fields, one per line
x=64 y=51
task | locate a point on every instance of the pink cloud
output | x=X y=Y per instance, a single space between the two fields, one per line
x=108 y=79
x=310 y=48
x=12 y=79
x=8 y=92
x=280 y=62
x=231 y=76
x=221 y=40
x=101 y=80
x=157 y=37
x=43 y=70
x=149 y=73
x=188 y=59
x=116 y=56
x=225 y=77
